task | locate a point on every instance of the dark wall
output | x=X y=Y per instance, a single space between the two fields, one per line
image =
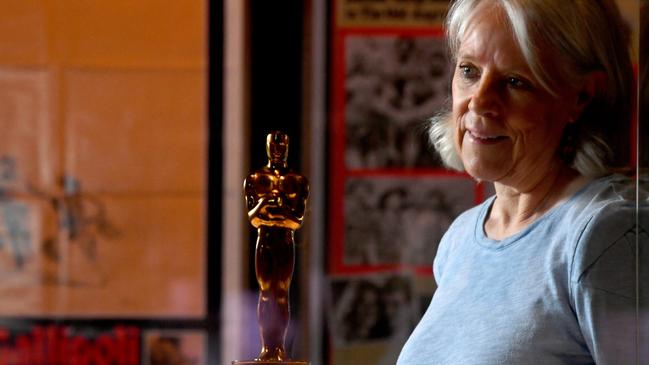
x=275 y=75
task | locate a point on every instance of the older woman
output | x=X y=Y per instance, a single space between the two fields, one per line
x=542 y=272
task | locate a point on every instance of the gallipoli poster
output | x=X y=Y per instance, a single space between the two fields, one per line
x=91 y=228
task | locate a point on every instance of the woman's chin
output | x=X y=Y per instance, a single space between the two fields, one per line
x=484 y=171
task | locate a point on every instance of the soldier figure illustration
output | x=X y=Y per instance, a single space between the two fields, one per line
x=276 y=200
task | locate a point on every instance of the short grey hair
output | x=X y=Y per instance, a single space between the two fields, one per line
x=583 y=36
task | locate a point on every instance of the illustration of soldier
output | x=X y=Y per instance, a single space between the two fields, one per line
x=80 y=220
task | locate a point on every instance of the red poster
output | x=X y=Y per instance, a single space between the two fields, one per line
x=391 y=199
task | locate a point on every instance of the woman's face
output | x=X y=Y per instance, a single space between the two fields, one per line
x=507 y=126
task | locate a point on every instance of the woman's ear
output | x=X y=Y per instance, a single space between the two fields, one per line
x=592 y=85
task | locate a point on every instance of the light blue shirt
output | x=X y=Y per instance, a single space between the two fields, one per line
x=561 y=291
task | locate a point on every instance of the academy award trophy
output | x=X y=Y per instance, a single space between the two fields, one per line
x=276 y=200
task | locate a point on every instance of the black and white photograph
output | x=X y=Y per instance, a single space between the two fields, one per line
x=372 y=307
x=393 y=84
x=400 y=220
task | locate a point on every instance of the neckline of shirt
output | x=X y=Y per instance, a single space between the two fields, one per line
x=492 y=244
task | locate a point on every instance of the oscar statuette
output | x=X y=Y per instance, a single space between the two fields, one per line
x=276 y=200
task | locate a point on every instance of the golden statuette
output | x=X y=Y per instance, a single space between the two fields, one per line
x=276 y=199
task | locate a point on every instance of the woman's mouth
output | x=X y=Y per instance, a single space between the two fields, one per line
x=484 y=138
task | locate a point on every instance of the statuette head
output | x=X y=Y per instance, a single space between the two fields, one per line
x=277 y=147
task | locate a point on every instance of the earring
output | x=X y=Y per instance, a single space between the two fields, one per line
x=568 y=144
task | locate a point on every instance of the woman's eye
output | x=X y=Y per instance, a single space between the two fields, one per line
x=468 y=71
x=517 y=83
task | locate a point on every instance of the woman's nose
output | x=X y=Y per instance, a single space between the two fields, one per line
x=486 y=98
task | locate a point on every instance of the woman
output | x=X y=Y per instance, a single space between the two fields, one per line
x=542 y=272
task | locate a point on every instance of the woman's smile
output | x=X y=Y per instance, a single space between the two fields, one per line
x=505 y=122
x=483 y=138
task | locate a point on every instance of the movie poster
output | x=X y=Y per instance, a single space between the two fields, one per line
x=25 y=343
x=391 y=199
x=102 y=212
x=55 y=344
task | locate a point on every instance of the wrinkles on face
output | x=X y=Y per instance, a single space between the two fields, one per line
x=508 y=127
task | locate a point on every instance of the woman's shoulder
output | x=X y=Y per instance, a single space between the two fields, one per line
x=603 y=211
x=600 y=199
x=604 y=219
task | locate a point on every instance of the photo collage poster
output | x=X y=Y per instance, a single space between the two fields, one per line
x=391 y=199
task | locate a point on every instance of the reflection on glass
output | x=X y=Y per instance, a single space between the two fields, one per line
x=542 y=103
x=642 y=244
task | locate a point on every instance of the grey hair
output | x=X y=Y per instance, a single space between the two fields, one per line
x=582 y=36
